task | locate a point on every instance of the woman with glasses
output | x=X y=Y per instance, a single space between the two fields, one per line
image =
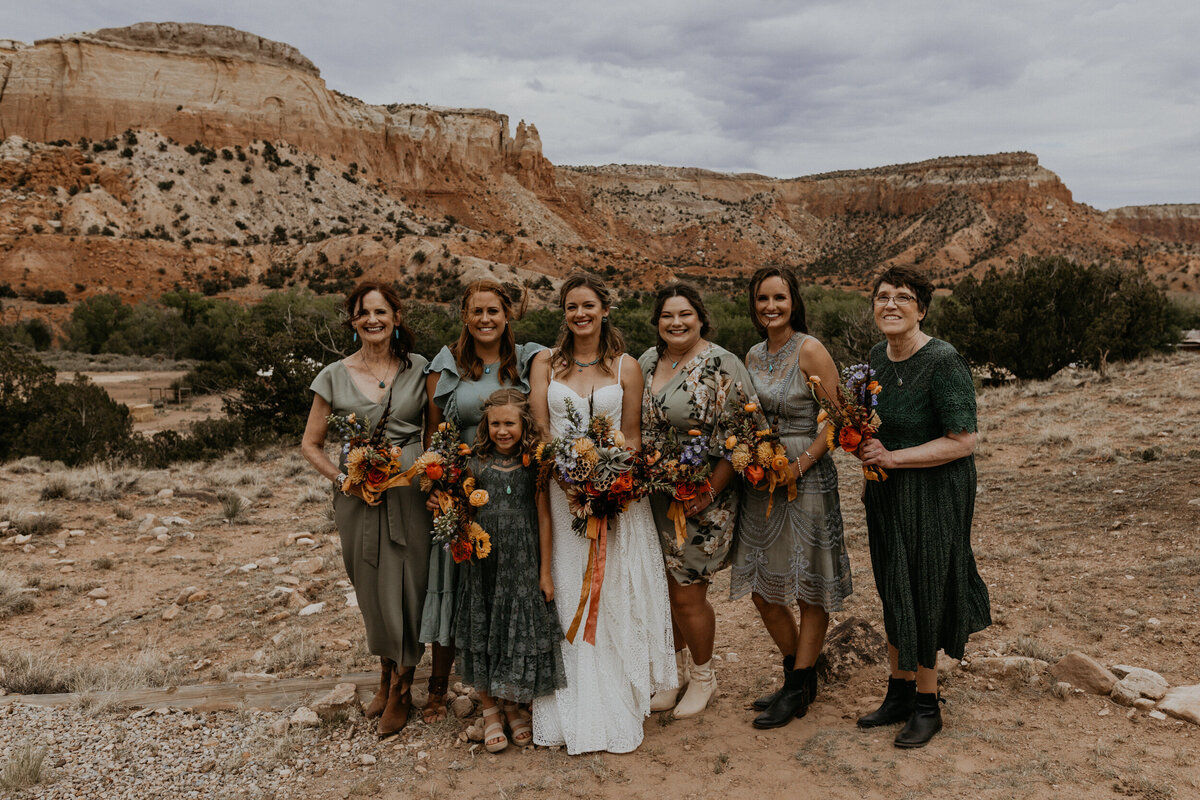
x=919 y=518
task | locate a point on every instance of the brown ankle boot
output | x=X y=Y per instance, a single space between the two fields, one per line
x=379 y=701
x=399 y=701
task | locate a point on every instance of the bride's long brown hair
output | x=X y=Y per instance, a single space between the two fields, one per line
x=612 y=343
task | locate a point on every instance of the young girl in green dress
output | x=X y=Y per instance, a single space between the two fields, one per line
x=505 y=625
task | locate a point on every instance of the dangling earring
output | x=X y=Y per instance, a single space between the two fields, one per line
x=356 y=336
x=396 y=333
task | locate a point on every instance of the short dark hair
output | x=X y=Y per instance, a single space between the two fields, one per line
x=798 y=319
x=687 y=292
x=402 y=343
x=909 y=278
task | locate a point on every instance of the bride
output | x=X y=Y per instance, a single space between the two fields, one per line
x=609 y=684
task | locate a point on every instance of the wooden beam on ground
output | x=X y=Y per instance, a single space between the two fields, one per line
x=268 y=695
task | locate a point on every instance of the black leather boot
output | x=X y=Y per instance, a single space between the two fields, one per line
x=791 y=702
x=761 y=704
x=897 y=705
x=926 y=720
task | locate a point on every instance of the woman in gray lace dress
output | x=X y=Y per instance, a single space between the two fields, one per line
x=796 y=552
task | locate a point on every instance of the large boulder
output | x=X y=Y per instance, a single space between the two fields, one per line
x=343 y=697
x=1083 y=671
x=850 y=646
x=1182 y=702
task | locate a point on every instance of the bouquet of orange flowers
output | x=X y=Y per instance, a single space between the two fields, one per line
x=372 y=465
x=443 y=471
x=755 y=452
x=596 y=471
x=853 y=419
x=675 y=467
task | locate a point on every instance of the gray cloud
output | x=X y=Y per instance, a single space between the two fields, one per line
x=1105 y=93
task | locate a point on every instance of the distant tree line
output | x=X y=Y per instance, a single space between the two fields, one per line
x=1044 y=314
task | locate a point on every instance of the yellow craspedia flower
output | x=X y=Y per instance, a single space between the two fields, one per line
x=731 y=443
x=478 y=498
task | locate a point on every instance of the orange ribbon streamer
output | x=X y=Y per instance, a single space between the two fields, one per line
x=874 y=473
x=371 y=494
x=676 y=514
x=593 y=579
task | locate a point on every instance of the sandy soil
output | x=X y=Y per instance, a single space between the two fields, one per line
x=138 y=388
x=1084 y=532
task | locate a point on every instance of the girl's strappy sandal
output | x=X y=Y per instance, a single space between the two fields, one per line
x=519 y=723
x=493 y=727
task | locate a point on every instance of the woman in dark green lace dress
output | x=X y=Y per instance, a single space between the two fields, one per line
x=505 y=627
x=919 y=519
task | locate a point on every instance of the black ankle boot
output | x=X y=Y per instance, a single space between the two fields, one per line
x=897 y=706
x=789 y=663
x=925 y=721
x=791 y=702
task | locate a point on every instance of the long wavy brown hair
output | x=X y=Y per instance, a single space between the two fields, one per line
x=530 y=437
x=612 y=343
x=402 y=341
x=470 y=365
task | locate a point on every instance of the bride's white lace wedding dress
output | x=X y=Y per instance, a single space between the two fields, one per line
x=607 y=697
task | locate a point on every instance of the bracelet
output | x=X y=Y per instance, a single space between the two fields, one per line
x=799 y=468
x=810 y=456
x=341 y=479
x=712 y=495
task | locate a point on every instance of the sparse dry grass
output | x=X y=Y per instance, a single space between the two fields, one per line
x=48 y=672
x=24 y=768
x=13 y=599
x=295 y=650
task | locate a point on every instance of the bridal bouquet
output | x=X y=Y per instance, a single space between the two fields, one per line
x=442 y=470
x=596 y=471
x=853 y=419
x=674 y=466
x=372 y=465
x=755 y=452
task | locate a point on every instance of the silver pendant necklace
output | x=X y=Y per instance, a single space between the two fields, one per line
x=896 y=364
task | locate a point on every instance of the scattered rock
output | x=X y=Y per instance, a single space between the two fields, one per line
x=292 y=537
x=462 y=706
x=1080 y=669
x=1001 y=666
x=214 y=613
x=1182 y=702
x=147 y=523
x=339 y=644
x=1137 y=682
x=165 y=494
x=256 y=677
x=98 y=594
x=280 y=727
x=76 y=533
x=1156 y=714
x=248 y=567
x=159 y=530
x=732 y=658
x=174 y=521
x=366 y=759
x=154 y=549
x=851 y=645
x=305 y=717
x=344 y=696
x=475 y=731
x=312 y=608
x=1143 y=703
x=197 y=596
x=308 y=566
x=22 y=538
x=170 y=612
x=352 y=600
x=947 y=664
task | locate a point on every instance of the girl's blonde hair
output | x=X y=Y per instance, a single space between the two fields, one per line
x=530 y=436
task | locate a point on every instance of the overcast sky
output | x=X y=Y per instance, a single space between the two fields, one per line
x=1107 y=94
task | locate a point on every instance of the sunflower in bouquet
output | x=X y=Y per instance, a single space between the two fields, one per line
x=597 y=473
x=853 y=418
x=372 y=465
x=442 y=471
x=675 y=466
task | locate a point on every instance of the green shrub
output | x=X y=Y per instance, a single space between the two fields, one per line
x=22 y=377
x=74 y=423
x=1049 y=312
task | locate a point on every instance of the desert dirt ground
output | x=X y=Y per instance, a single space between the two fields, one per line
x=1084 y=533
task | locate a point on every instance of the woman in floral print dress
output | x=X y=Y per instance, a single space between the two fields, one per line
x=692 y=385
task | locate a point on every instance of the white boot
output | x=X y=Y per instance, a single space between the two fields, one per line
x=665 y=700
x=701 y=688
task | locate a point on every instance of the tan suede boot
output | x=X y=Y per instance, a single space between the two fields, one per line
x=379 y=701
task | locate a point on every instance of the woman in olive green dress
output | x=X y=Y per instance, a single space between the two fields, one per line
x=460 y=378
x=385 y=548
x=692 y=384
x=919 y=519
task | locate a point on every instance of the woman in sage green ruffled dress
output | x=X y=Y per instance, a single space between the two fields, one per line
x=460 y=378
